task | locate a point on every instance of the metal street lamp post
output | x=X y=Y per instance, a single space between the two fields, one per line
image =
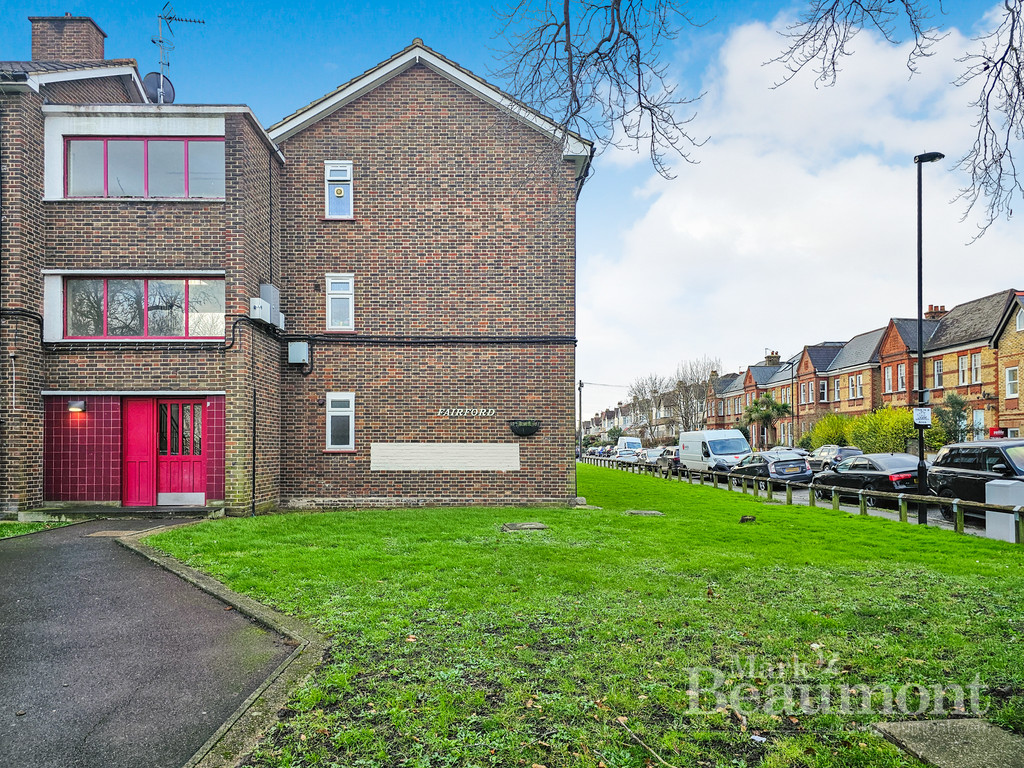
x=922 y=396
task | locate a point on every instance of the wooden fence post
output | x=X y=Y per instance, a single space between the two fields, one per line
x=862 y=502
x=903 y=508
x=958 y=514
x=835 y=499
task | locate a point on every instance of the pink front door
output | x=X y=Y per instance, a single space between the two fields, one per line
x=138 y=484
x=181 y=453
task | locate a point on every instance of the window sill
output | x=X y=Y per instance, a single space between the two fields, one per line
x=337 y=218
x=138 y=340
x=343 y=332
x=339 y=450
x=134 y=199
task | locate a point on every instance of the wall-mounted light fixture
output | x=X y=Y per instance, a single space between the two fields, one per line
x=76 y=406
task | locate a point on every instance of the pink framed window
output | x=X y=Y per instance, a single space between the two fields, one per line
x=138 y=307
x=126 y=166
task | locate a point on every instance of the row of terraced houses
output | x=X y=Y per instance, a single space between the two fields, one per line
x=974 y=350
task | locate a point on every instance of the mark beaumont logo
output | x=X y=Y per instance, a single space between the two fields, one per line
x=793 y=686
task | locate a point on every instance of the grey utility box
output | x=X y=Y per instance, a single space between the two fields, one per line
x=1007 y=493
x=298 y=352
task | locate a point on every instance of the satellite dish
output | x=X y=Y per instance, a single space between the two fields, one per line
x=151 y=84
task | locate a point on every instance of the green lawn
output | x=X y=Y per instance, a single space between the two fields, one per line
x=18 y=529
x=457 y=644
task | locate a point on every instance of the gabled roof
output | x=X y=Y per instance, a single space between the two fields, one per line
x=762 y=374
x=822 y=355
x=576 y=147
x=736 y=385
x=723 y=382
x=974 y=322
x=858 y=352
x=38 y=73
x=1015 y=306
x=907 y=330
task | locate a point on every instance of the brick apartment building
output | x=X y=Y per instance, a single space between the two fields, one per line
x=345 y=309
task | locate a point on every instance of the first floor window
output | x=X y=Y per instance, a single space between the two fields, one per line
x=803 y=394
x=860 y=385
x=937 y=374
x=962 y=369
x=901 y=377
x=161 y=167
x=340 y=415
x=340 y=297
x=823 y=390
x=853 y=387
x=141 y=307
x=976 y=368
x=888 y=378
x=1011 y=382
x=338 y=189
x=836 y=390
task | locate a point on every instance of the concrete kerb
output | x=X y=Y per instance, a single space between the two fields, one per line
x=240 y=733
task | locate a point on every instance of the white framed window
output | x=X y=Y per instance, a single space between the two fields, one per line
x=340 y=290
x=915 y=377
x=340 y=421
x=853 y=387
x=962 y=369
x=803 y=393
x=901 y=377
x=1020 y=319
x=721 y=408
x=937 y=374
x=338 y=189
x=976 y=368
x=1011 y=382
x=836 y=390
x=888 y=378
x=1013 y=432
x=860 y=385
x=823 y=390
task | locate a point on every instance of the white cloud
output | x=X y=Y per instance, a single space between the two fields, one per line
x=797 y=226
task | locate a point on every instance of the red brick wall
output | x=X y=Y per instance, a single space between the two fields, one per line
x=66 y=38
x=98 y=90
x=463 y=226
x=21 y=257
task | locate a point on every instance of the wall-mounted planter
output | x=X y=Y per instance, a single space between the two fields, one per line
x=524 y=427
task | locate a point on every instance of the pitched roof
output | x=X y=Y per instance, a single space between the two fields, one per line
x=907 y=329
x=37 y=67
x=576 y=147
x=762 y=374
x=972 y=322
x=1015 y=306
x=722 y=382
x=859 y=351
x=33 y=74
x=822 y=355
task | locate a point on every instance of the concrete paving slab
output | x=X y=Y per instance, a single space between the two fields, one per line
x=111 y=662
x=965 y=743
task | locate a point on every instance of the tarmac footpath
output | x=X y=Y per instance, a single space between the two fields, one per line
x=109 y=661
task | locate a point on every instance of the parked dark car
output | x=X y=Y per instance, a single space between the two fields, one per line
x=888 y=472
x=774 y=465
x=961 y=470
x=828 y=456
x=669 y=460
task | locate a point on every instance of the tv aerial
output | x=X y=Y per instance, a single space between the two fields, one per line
x=157 y=85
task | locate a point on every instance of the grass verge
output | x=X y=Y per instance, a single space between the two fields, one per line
x=19 y=529
x=623 y=640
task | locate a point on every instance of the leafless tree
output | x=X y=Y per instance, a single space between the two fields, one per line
x=690 y=394
x=647 y=396
x=821 y=39
x=599 y=69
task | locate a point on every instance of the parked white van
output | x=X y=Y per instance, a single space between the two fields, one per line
x=709 y=449
x=629 y=443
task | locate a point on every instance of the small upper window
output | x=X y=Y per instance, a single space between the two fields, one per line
x=340 y=295
x=340 y=413
x=145 y=167
x=338 y=189
x=1020 y=320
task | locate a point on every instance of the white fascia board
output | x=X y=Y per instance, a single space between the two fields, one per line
x=38 y=79
x=574 y=147
x=864 y=368
x=975 y=346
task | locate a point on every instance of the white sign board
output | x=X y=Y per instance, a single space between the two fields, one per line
x=923 y=417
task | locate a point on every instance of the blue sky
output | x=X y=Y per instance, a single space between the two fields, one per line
x=797 y=226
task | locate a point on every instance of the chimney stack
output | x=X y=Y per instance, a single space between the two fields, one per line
x=772 y=359
x=935 y=312
x=66 y=38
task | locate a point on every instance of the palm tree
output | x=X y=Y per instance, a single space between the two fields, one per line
x=765 y=412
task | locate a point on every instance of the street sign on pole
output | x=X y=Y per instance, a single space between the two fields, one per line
x=923 y=417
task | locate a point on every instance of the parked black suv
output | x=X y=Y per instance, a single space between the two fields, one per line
x=961 y=470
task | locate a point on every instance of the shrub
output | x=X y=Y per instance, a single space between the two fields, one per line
x=831 y=429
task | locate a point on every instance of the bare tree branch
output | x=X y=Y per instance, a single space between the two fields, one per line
x=822 y=36
x=598 y=69
x=1000 y=107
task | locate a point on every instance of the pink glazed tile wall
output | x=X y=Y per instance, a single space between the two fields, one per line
x=82 y=451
